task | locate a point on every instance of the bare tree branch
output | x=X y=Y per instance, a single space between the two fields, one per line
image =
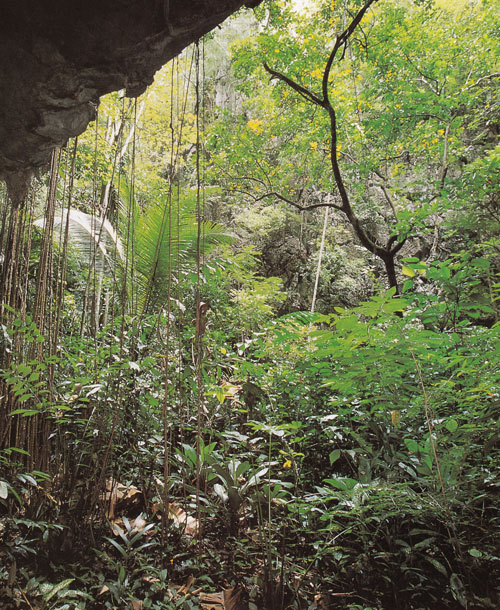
x=342 y=40
x=296 y=204
x=399 y=244
x=425 y=78
x=482 y=79
x=366 y=237
x=305 y=93
x=250 y=178
x=387 y=196
x=444 y=164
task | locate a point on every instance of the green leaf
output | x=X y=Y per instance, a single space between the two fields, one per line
x=408 y=285
x=342 y=483
x=49 y=592
x=451 y=425
x=117 y=546
x=27 y=478
x=24 y=412
x=221 y=492
x=411 y=445
x=235 y=499
x=438 y=565
x=4 y=490
x=241 y=469
x=334 y=456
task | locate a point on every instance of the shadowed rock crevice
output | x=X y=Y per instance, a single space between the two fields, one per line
x=58 y=58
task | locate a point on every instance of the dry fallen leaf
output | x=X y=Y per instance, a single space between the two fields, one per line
x=188 y=523
x=185 y=588
x=212 y=601
x=119 y=498
x=117 y=527
x=233 y=599
x=136 y=604
x=138 y=525
x=231 y=390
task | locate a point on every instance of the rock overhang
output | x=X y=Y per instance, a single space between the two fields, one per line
x=58 y=58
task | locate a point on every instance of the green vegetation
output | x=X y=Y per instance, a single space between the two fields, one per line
x=250 y=327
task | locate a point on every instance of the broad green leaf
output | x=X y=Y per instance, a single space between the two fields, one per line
x=451 y=425
x=334 y=456
x=342 y=483
x=48 y=590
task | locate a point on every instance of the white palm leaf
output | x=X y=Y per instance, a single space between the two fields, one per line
x=90 y=235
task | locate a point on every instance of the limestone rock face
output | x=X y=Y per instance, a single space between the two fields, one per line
x=57 y=57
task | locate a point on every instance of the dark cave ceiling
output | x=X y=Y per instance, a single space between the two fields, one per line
x=57 y=58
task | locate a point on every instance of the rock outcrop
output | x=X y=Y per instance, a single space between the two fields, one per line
x=58 y=57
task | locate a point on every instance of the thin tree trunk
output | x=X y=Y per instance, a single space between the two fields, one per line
x=390 y=270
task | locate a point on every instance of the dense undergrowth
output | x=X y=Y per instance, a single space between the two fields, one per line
x=349 y=460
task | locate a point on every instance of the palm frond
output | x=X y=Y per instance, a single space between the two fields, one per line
x=91 y=236
x=166 y=236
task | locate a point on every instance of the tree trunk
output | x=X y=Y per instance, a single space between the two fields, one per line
x=390 y=270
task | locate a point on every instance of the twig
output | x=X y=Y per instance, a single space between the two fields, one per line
x=482 y=79
x=26 y=600
x=387 y=197
x=296 y=204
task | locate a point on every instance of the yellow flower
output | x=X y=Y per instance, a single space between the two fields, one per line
x=287 y=465
x=314 y=145
x=255 y=125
